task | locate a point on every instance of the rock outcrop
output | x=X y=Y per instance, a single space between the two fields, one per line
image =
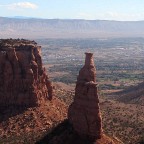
x=23 y=79
x=84 y=112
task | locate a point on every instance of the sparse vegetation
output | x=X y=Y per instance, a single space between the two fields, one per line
x=119 y=64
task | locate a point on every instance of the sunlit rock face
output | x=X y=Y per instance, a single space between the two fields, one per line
x=23 y=79
x=84 y=112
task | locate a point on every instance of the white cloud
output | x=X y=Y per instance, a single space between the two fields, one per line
x=20 y=5
x=112 y=14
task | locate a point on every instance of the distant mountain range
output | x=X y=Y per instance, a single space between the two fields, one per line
x=68 y=28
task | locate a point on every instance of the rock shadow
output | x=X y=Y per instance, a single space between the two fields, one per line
x=10 y=111
x=63 y=133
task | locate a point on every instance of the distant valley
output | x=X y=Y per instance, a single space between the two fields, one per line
x=118 y=49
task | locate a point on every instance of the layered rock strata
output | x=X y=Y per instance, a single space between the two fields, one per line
x=23 y=79
x=84 y=112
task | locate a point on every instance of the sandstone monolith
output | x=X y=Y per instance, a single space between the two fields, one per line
x=84 y=112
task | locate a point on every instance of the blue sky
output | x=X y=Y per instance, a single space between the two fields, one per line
x=123 y=10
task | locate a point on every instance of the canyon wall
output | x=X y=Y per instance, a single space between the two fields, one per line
x=23 y=79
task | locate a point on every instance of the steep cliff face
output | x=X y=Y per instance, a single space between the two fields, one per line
x=23 y=79
x=84 y=113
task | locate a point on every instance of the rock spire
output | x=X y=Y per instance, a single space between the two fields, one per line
x=84 y=112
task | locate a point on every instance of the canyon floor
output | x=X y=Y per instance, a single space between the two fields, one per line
x=120 y=121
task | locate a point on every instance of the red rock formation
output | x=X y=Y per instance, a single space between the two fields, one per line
x=23 y=79
x=84 y=112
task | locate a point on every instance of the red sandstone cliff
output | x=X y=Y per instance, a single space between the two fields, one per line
x=23 y=79
x=84 y=113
